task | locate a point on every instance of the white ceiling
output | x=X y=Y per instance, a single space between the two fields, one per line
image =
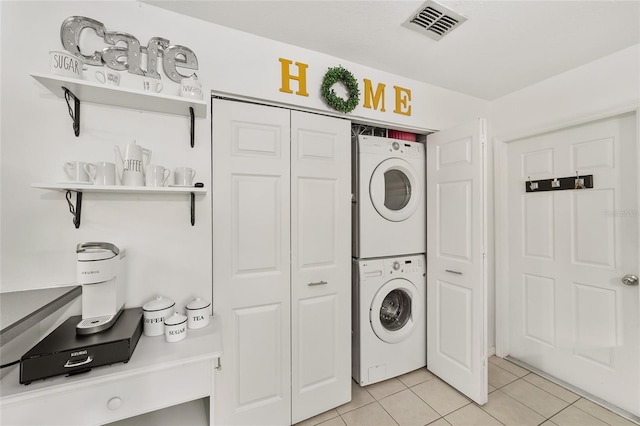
x=503 y=46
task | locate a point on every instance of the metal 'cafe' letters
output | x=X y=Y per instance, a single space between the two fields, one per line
x=128 y=58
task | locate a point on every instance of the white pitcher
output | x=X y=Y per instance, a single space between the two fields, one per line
x=131 y=166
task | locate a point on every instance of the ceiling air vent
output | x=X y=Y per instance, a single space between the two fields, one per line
x=434 y=20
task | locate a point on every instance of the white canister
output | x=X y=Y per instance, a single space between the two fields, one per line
x=175 y=327
x=198 y=313
x=154 y=313
x=65 y=64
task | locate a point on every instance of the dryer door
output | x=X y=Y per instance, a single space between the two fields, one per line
x=395 y=189
x=395 y=310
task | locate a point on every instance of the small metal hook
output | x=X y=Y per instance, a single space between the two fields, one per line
x=532 y=185
x=579 y=183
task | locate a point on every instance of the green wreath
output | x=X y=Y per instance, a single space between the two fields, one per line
x=333 y=76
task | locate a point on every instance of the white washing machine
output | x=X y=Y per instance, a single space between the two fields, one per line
x=389 y=209
x=389 y=336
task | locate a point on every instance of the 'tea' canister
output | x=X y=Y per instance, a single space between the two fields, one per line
x=198 y=313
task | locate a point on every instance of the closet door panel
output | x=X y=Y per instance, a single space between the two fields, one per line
x=251 y=272
x=320 y=263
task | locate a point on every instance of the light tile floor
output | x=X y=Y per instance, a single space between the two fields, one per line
x=517 y=397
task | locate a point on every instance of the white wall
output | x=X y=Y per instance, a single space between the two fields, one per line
x=166 y=254
x=603 y=86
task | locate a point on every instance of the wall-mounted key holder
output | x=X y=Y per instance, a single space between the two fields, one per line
x=560 y=184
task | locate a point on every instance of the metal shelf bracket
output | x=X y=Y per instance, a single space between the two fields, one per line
x=77 y=209
x=192 y=126
x=193 y=209
x=75 y=111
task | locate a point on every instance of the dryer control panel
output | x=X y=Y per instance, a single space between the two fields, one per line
x=393 y=147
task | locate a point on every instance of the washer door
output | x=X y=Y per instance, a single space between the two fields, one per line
x=395 y=190
x=395 y=310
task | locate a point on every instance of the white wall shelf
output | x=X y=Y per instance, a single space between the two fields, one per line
x=87 y=91
x=76 y=187
x=79 y=189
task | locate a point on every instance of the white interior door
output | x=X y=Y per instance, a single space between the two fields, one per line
x=456 y=270
x=570 y=314
x=251 y=274
x=320 y=263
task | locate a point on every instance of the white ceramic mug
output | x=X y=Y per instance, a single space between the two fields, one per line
x=156 y=175
x=183 y=176
x=101 y=173
x=190 y=88
x=76 y=172
x=110 y=78
x=151 y=85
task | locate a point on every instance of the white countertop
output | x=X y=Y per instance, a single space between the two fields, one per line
x=151 y=354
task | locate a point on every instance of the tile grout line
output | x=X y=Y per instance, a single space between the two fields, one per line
x=530 y=408
x=385 y=410
x=570 y=403
x=480 y=407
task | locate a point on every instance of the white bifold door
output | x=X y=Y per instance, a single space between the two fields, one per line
x=282 y=263
x=456 y=265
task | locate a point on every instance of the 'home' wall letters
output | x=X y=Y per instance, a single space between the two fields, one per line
x=373 y=99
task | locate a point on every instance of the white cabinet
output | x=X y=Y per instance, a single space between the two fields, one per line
x=158 y=375
x=282 y=262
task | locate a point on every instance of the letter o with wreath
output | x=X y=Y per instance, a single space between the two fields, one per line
x=340 y=75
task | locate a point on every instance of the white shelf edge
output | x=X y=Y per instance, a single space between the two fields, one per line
x=89 y=91
x=119 y=189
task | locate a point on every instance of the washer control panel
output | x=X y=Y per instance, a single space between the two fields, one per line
x=392 y=267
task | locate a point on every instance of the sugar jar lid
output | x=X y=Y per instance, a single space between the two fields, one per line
x=175 y=319
x=198 y=303
x=158 y=304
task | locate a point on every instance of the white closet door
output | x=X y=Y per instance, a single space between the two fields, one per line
x=456 y=270
x=320 y=263
x=251 y=274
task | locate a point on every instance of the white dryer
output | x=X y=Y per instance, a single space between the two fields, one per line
x=388 y=323
x=389 y=209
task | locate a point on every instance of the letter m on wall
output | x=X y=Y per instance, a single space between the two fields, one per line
x=371 y=98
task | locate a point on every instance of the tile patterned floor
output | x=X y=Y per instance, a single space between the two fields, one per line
x=517 y=397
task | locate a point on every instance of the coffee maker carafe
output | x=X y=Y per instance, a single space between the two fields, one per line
x=101 y=272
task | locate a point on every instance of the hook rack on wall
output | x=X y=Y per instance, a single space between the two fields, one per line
x=560 y=184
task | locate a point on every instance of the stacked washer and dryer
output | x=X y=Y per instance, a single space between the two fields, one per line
x=389 y=269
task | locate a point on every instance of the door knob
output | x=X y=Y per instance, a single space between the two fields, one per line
x=629 y=279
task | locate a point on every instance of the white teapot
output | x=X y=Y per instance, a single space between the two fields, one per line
x=131 y=166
